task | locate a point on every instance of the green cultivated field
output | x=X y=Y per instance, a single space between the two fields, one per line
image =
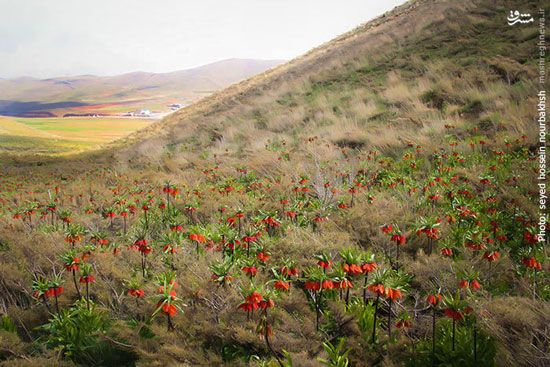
x=62 y=135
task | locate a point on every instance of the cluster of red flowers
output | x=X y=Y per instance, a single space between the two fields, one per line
x=430 y=232
x=325 y=264
x=343 y=284
x=353 y=269
x=87 y=279
x=142 y=246
x=271 y=222
x=197 y=237
x=255 y=301
x=398 y=238
x=74 y=265
x=263 y=257
x=73 y=238
x=403 y=323
x=246 y=241
x=466 y=284
x=250 y=270
x=454 y=314
x=367 y=268
x=491 y=256
x=170 y=190
x=136 y=292
x=99 y=241
x=474 y=246
x=434 y=299
x=384 y=291
x=170 y=248
x=313 y=286
x=282 y=285
x=531 y=263
x=168 y=308
x=289 y=272
x=290 y=214
x=447 y=252
x=53 y=291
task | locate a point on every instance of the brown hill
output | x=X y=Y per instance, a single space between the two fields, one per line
x=25 y=94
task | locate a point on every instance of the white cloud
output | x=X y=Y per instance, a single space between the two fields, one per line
x=68 y=37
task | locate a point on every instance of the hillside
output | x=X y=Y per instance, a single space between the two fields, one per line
x=373 y=202
x=423 y=72
x=122 y=93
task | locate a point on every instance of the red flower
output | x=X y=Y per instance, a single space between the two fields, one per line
x=491 y=256
x=393 y=294
x=531 y=263
x=87 y=279
x=247 y=306
x=313 y=286
x=453 y=314
x=250 y=270
x=325 y=264
x=353 y=269
x=367 y=268
x=281 y=285
x=145 y=250
x=434 y=299
x=265 y=304
x=136 y=292
x=255 y=297
x=74 y=266
x=263 y=257
x=289 y=272
x=402 y=323
x=49 y=293
x=377 y=289
x=167 y=309
x=197 y=237
x=58 y=290
x=344 y=284
x=447 y=252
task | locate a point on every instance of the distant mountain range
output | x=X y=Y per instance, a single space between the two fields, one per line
x=107 y=95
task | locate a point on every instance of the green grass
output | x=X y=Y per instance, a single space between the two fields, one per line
x=29 y=144
x=61 y=135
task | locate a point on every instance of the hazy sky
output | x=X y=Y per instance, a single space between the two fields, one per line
x=44 y=38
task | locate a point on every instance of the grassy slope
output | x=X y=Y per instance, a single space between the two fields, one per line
x=344 y=89
x=398 y=79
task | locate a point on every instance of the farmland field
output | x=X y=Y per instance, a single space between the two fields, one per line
x=62 y=135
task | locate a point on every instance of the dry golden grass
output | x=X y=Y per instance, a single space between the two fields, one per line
x=345 y=98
